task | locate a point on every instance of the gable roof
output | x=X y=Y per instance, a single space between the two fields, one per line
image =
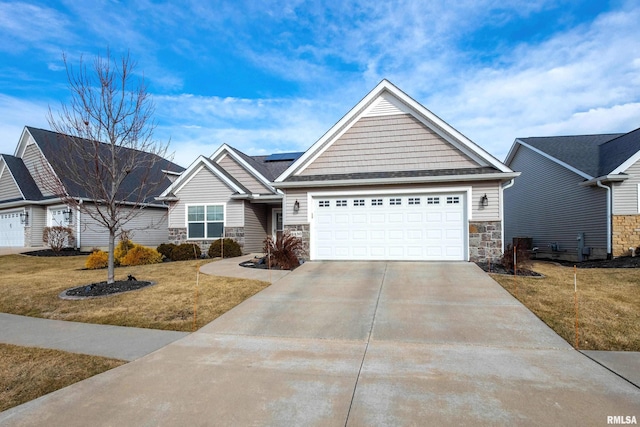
x=393 y=99
x=22 y=178
x=53 y=145
x=590 y=156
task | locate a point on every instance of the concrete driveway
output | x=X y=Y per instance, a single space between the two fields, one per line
x=356 y=344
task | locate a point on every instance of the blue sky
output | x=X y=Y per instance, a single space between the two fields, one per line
x=272 y=76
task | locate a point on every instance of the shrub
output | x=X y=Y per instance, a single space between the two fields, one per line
x=141 y=255
x=165 y=249
x=97 y=259
x=185 y=251
x=124 y=246
x=231 y=248
x=58 y=237
x=523 y=260
x=284 y=251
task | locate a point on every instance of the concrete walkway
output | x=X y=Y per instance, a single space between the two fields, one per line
x=355 y=344
x=98 y=340
x=230 y=267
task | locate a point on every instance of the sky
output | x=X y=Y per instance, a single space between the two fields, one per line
x=273 y=76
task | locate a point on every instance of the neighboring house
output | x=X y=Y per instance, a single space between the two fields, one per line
x=28 y=203
x=389 y=181
x=578 y=196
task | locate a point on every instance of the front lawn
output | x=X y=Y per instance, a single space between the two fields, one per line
x=608 y=303
x=30 y=286
x=27 y=372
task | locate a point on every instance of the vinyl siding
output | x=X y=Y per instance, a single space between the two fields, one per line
x=625 y=194
x=478 y=189
x=35 y=163
x=8 y=188
x=255 y=226
x=547 y=203
x=388 y=144
x=37 y=222
x=148 y=229
x=241 y=174
x=206 y=188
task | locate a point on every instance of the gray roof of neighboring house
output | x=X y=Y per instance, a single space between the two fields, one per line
x=595 y=155
x=23 y=178
x=54 y=146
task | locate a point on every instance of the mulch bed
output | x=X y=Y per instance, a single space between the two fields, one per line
x=101 y=289
x=621 y=262
x=499 y=269
x=51 y=253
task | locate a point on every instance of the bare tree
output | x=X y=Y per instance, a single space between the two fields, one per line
x=109 y=164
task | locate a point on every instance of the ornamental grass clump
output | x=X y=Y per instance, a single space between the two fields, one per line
x=284 y=251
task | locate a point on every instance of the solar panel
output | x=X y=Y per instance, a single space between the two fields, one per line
x=281 y=157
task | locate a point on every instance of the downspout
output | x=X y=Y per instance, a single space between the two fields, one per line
x=78 y=226
x=599 y=184
x=504 y=187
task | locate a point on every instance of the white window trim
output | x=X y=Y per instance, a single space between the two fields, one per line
x=186 y=219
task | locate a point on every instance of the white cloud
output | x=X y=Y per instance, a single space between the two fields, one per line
x=15 y=114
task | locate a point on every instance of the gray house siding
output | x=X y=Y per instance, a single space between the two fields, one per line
x=205 y=188
x=388 y=144
x=8 y=188
x=35 y=163
x=255 y=228
x=569 y=207
x=148 y=229
x=625 y=194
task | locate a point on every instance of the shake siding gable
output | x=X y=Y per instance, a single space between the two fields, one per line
x=569 y=207
x=8 y=188
x=387 y=144
x=625 y=194
x=241 y=174
x=206 y=188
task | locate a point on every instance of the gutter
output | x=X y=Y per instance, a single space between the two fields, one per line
x=605 y=178
x=599 y=184
x=401 y=180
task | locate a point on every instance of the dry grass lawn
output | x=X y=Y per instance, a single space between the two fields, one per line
x=27 y=373
x=30 y=286
x=608 y=303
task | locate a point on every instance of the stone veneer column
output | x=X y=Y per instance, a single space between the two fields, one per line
x=301 y=231
x=485 y=240
x=626 y=234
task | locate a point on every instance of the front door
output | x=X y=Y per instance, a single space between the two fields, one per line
x=277 y=224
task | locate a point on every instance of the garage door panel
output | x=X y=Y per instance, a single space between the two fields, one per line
x=411 y=227
x=11 y=229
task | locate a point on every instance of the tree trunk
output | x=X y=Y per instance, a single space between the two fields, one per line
x=111 y=259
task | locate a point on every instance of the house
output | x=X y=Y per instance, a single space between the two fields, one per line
x=578 y=196
x=28 y=203
x=389 y=181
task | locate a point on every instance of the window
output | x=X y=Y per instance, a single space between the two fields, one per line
x=414 y=200
x=453 y=200
x=395 y=202
x=376 y=202
x=323 y=203
x=358 y=202
x=341 y=203
x=433 y=200
x=205 y=221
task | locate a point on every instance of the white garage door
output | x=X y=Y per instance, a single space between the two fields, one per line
x=11 y=229
x=389 y=227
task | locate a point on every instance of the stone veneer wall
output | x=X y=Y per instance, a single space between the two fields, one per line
x=626 y=234
x=485 y=240
x=179 y=235
x=301 y=231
